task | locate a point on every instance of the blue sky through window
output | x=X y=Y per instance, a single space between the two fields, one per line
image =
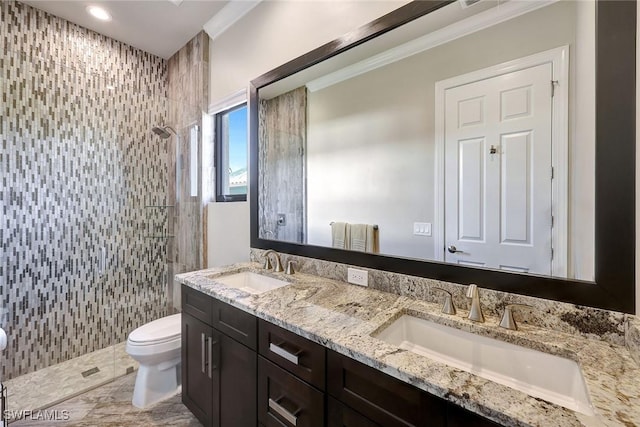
x=238 y=139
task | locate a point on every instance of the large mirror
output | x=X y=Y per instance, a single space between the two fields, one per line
x=460 y=145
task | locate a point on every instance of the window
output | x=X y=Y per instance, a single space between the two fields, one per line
x=231 y=154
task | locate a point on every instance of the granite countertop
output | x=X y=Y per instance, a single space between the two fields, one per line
x=342 y=317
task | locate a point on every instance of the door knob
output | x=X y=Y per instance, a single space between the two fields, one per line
x=452 y=249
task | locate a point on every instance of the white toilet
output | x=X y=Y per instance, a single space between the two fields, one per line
x=156 y=347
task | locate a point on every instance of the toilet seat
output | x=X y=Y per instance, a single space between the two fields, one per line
x=164 y=330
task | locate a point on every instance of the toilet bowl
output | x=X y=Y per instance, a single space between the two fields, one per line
x=156 y=347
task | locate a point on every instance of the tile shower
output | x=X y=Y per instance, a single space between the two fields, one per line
x=79 y=169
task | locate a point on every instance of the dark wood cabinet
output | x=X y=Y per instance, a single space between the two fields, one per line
x=197 y=384
x=303 y=358
x=339 y=415
x=239 y=371
x=235 y=323
x=459 y=417
x=238 y=381
x=380 y=397
x=285 y=400
x=219 y=371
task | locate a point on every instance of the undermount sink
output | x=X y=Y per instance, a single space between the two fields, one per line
x=545 y=376
x=252 y=283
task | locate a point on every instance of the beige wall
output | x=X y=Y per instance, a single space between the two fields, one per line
x=229 y=223
x=273 y=33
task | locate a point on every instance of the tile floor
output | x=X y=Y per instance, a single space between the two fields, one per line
x=110 y=406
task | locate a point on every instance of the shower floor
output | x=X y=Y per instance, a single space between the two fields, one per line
x=110 y=406
x=52 y=385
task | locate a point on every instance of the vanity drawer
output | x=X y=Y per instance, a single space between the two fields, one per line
x=286 y=401
x=381 y=397
x=459 y=417
x=237 y=324
x=197 y=304
x=339 y=415
x=303 y=358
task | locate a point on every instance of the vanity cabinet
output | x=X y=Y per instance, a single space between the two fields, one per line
x=240 y=371
x=219 y=361
x=359 y=394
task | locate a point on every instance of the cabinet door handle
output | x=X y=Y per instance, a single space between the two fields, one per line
x=293 y=358
x=280 y=410
x=202 y=351
x=211 y=365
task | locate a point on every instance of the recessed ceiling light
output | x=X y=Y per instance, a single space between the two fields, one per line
x=99 y=13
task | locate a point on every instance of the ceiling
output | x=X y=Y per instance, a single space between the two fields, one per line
x=160 y=27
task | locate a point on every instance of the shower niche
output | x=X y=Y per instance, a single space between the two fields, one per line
x=158 y=221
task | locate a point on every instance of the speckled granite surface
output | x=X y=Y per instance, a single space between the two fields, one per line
x=563 y=317
x=343 y=317
x=633 y=337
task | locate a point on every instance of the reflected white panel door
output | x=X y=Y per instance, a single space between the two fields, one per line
x=498 y=172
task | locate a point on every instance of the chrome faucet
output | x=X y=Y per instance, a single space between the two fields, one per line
x=475 y=313
x=267 y=263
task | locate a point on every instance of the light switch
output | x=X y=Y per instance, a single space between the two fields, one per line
x=422 y=229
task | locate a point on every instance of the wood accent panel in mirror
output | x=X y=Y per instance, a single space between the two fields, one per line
x=614 y=286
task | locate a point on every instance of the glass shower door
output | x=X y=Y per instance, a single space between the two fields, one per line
x=56 y=136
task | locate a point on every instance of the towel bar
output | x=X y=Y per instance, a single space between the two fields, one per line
x=375 y=226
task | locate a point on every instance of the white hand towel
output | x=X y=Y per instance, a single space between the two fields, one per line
x=339 y=235
x=364 y=238
x=358 y=237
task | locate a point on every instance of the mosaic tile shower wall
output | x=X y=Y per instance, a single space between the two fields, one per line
x=78 y=165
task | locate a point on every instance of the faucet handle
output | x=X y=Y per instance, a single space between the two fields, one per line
x=290 y=269
x=267 y=262
x=507 y=321
x=472 y=291
x=447 y=306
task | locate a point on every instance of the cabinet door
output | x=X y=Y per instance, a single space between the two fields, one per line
x=197 y=379
x=238 y=378
x=339 y=415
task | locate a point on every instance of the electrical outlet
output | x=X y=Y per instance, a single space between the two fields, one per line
x=358 y=277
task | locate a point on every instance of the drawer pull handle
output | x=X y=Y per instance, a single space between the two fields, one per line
x=283 y=353
x=280 y=410
x=202 y=351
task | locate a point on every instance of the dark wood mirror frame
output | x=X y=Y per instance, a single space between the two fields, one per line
x=614 y=286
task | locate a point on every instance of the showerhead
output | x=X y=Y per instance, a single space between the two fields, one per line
x=163 y=131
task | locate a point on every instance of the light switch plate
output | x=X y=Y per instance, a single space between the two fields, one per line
x=422 y=229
